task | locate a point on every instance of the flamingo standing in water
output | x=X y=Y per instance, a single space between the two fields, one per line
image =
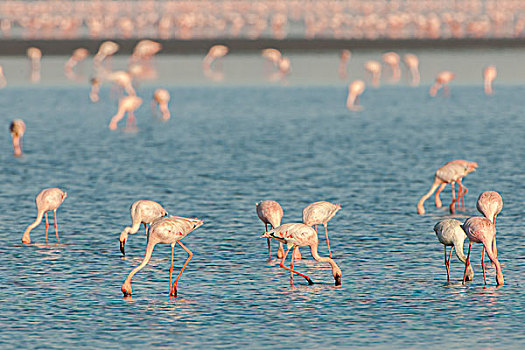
x=270 y=213
x=374 y=68
x=95 y=89
x=451 y=172
x=142 y=212
x=272 y=55
x=167 y=230
x=355 y=89
x=392 y=59
x=319 y=213
x=482 y=230
x=412 y=63
x=216 y=52
x=46 y=200
x=296 y=235
x=126 y=104
x=105 y=50
x=343 y=61
x=490 y=204
x=442 y=80
x=17 y=129
x=489 y=74
x=78 y=55
x=35 y=55
x=450 y=233
x=161 y=97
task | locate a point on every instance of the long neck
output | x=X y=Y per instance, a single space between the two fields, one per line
x=492 y=257
x=147 y=257
x=335 y=269
x=37 y=222
x=458 y=248
x=420 y=207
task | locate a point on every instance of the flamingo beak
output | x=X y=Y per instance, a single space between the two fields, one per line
x=338 y=280
x=122 y=244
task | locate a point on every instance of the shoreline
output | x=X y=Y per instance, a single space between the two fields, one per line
x=14 y=47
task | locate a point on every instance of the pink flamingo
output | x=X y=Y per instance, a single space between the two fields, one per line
x=442 y=80
x=105 y=50
x=145 y=50
x=270 y=212
x=167 y=230
x=161 y=97
x=343 y=61
x=95 y=89
x=451 y=172
x=412 y=63
x=124 y=80
x=215 y=52
x=490 y=204
x=272 y=55
x=319 y=213
x=374 y=68
x=142 y=212
x=482 y=230
x=355 y=89
x=35 y=55
x=46 y=200
x=392 y=59
x=489 y=74
x=126 y=104
x=296 y=235
x=450 y=233
x=78 y=55
x=17 y=129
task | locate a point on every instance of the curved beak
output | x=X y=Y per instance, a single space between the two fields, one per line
x=337 y=280
x=122 y=244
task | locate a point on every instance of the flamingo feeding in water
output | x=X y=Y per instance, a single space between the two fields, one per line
x=355 y=89
x=392 y=59
x=412 y=63
x=343 y=61
x=451 y=172
x=450 y=233
x=167 y=230
x=442 y=80
x=46 y=200
x=319 y=213
x=374 y=68
x=161 y=97
x=296 y=235
x=489 y=74
x=270 y=213
x=490 y=204
x=482 y=230
x=17 y=129
x=35 y=55
x=142 y=212
x=126 y=104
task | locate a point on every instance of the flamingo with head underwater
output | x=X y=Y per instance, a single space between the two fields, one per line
x=450 y=233
x=319 y=213
x=490 y=204
x=48 y=199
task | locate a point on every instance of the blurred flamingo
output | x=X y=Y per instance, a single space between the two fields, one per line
x=355 y=89
x=442 y=80
x=412 y=63
x=126 y=104
x=17 y=129
x=161 y=97
x=489 y=74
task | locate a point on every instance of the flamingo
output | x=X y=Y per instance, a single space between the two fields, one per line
x=374 y=68
x=35 y=55
x=78 y=56
x=161 y=97
x=272 y=55
x=142 y=212
x=48 y=199
x=319 y=213
x=270 y=212
x=412 y=63
x=451 y=172
x=167 y=230
x=392 y=59
x=490 y=204
x=343 y=61
x=296 y=235
x=3 y=80
x=482 y=230
x=105 y=50
x=442 y=80
x=489 y=74
x=124 y=80
x=145 y=50
x=355 y=89
x=126 y=104
x=95 y=88
x=215 y=52
x=17 y=129
x=450 y=233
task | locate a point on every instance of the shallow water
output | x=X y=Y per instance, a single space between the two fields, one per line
x=225 y=148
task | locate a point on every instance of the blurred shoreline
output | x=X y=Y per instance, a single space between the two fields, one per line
x=14 y=47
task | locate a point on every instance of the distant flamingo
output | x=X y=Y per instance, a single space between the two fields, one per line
x=161 y=97
x=35 y=56
x=442 y=80
x=123 y=80
x=46 y=200
x=319 y=213
x=272 y=55
x=355 y=89
x=482 y=230
x=3 y=80
x=450 y=233
x=78 y=56
x=126 y=104
x=167 y=230
x=105 y=50
x=490 y=204
x=142 y=212
x=95 y=89
x=215 y=52
x=343 y=61
x=374 y=68
x=296 y=235
x=17 y=129
x=412 y=63
x=489 y=74
x=145 y=50
x=270 y=212
x=392 y=59
x=451 y=172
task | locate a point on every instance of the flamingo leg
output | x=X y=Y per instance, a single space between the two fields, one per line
x=145 y=227
x=451 y=207
x=292 y=270
x=56 y=226
x=171 y=267
x=446 y=263
x=494 y=249
x=47 y=225
x=190 y=255
x=436 y=196
x=327 y=241
x=467 y=262
x=269 y=248
x=483 y=263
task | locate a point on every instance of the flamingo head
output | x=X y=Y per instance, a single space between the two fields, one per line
x=197 y=223
x=126 y=289
x=123 y=239
x=337 y=276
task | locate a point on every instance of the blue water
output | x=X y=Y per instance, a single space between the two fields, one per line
x=224 y=149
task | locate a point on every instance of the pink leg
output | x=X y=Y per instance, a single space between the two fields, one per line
x=467 y=263
x=269 y=249
x=451 y=207
x=171 y=267
x=292 y=270
x=56 y=226
x=483 y=263
x=436 y=196
x=327 y=241
x=47 y=226
x=145 y=228
x=190 y=254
